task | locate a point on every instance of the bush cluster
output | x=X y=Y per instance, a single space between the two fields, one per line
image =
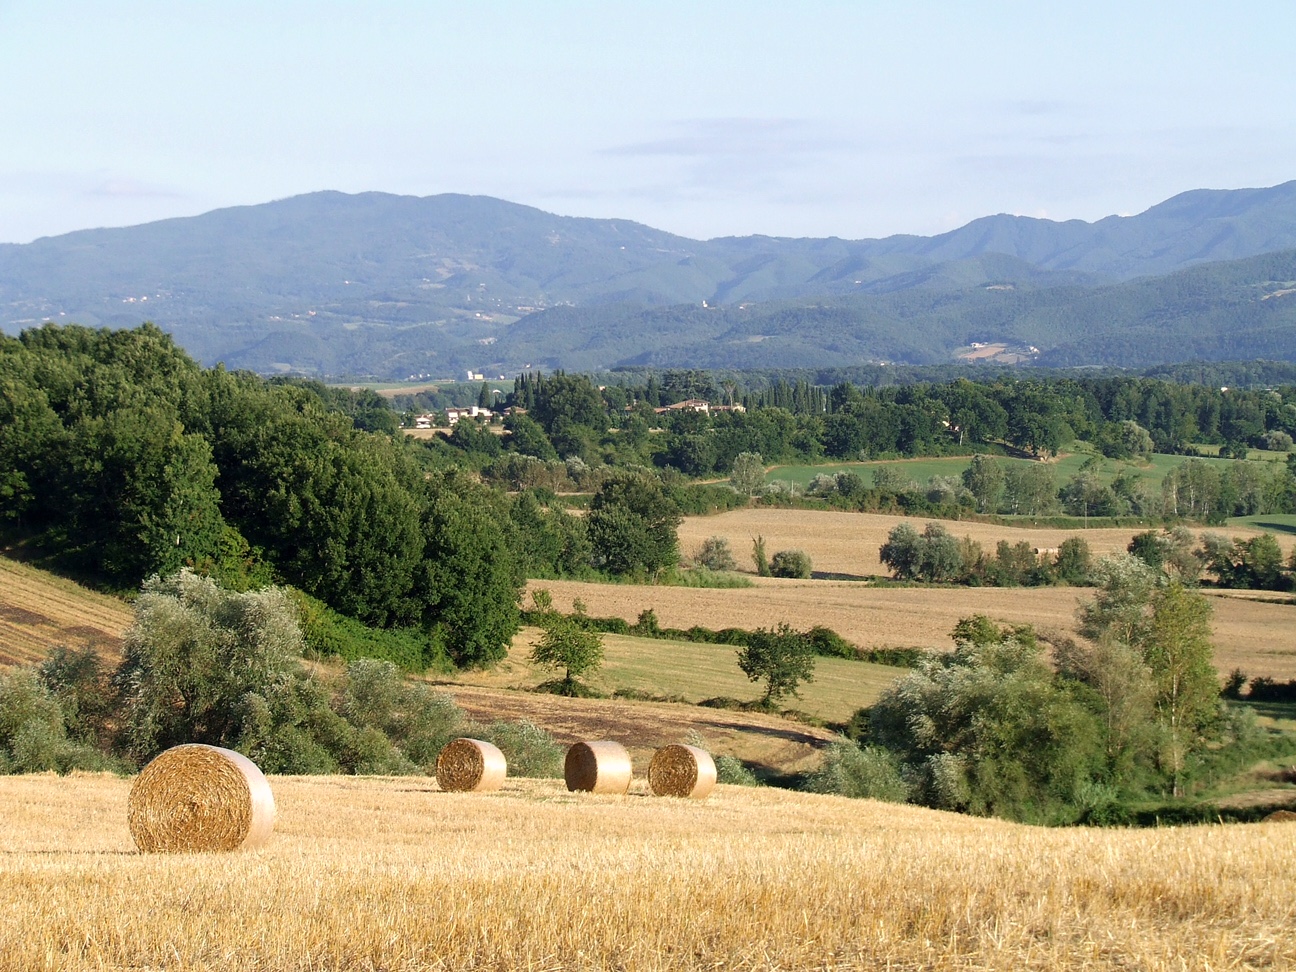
x=203 y=664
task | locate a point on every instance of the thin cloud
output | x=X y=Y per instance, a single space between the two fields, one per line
x=131 y=189
x=718 y=137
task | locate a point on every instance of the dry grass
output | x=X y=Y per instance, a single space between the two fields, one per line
x=848 y=543
x=391 y=874
x=693 y=672
x=39 y=611
x=762 y=740
x=1258 y=636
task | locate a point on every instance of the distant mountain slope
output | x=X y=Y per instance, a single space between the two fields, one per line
x=1220 y=311
x=392 y=285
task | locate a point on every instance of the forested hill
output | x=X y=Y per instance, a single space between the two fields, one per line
x=330 y=283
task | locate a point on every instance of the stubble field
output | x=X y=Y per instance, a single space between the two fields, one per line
x=1258 y=636
x=848 y=543
x=392 y=874
x=39 y=610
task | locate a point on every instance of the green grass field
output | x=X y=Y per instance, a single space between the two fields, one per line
x=1270 y=522
x=694 y=672
x=700 y=671
x=920 y=470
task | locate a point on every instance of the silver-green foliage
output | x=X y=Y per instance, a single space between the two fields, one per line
x=716 y=554
x=869 y=773
x=748 y=473
x=33 y=731
x=529 y=749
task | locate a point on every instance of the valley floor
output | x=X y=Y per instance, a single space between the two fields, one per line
x=366 y=873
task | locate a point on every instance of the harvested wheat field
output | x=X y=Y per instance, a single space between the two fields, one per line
x=1258 y=636
x=760 y=740
x=848 y=543
x=39 y=611
x=392 y=874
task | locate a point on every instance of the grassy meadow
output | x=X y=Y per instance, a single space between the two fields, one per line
x=920 y=470
x=381 y=873
x=692 y=672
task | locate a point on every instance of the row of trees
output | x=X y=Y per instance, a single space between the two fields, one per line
x=997 y=727
x=1194 y=489
x=938 y=557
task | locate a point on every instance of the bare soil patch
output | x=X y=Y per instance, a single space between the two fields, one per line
x=769 y=741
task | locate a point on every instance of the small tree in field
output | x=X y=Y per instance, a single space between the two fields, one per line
x=791 y=563
x=748 y=473
x=568 y=646
x=782 y=657
x=715 y=554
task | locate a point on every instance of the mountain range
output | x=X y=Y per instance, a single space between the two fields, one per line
x=396 y=286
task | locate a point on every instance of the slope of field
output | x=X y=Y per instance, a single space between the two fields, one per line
x=39 y=611
x=763 y=742
x=694 y=672
x=1258 y=636
x=392 y=874
x=848 y=543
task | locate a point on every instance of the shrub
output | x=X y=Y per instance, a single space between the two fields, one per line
x=33 y=731
x=729 y=769
x=530 y=750
x=870 y=773
x=417 y=720
x=715 y=554
x=790 y=563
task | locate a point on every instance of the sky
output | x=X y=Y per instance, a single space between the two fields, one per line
x=815 y=118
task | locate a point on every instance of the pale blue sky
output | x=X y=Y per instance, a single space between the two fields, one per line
x=703 y=118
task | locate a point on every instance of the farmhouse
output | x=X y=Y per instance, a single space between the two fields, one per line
x=688 y=405
x=453 y=415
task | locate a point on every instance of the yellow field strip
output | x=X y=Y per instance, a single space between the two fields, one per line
x=391 y=874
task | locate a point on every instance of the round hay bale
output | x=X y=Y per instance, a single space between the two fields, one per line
x=471 y=766
x=598 y=767
x=1280 y=816
x=682 y=771
x=200 y=798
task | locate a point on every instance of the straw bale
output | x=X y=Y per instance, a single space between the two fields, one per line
x=1280 y=816
x=682 y=771
x=200 y=798
x=471 y=766
x=598 y=767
